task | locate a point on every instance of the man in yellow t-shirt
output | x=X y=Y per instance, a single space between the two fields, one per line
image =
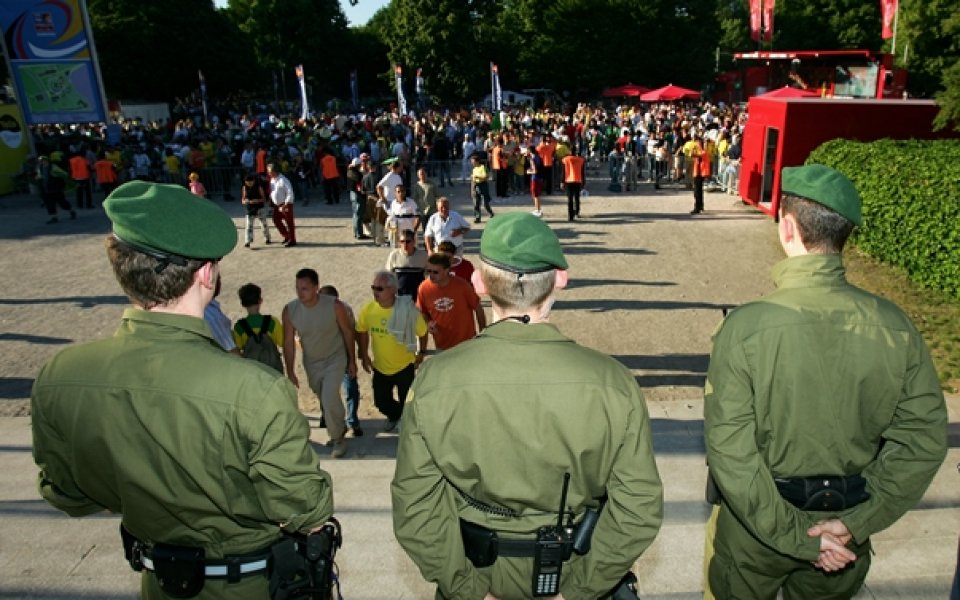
x=397 y=340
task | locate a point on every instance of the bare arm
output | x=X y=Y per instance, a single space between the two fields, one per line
x=289 y=347
x=481 y=317
x=363 y=340
x=349 y=340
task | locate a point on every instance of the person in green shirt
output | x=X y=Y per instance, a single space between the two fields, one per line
x=824 y=417
x=492 y=426
x=192 y=446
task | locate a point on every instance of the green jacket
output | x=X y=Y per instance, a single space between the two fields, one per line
x=501 y=418
x=821 y=378
x=192 y=445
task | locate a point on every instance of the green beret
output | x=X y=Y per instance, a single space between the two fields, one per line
x=389 y=161
x=825 y=186
x=169 y=222
x=521 y=243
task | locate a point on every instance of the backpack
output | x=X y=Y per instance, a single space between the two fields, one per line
x=259 y=346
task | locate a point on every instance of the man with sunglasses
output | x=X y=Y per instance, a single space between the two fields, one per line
x=449 y=305
x=205 y=456
x=407 y=262
x=394 y=330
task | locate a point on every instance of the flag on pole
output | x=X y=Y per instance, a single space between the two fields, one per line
x=888 y=10
x=756 y=19
x=761 y=20
x=497 y=93
x=401 y=101
x=354 y=89
x=305 y=107
x=203 y=93
x=768 y=20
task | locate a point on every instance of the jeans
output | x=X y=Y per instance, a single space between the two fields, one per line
x=351 y=391
x=358 y=206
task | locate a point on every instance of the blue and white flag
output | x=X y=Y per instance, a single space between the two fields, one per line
x=305 y=106
x=496 y=97
x=401 y=100
x=354 y=89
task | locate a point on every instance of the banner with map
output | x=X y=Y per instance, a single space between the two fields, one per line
x=52 y=60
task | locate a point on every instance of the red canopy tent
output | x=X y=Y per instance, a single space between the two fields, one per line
x=629 y=90
x=668 y=93
x=790 y=92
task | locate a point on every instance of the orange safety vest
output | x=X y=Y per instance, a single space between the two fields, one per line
x=79 y=169
x=702 y=165
x=328 y=164
x=573 y=169
x=106 y=172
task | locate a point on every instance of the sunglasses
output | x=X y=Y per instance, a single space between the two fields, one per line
x=377 y=288
x=407 y=241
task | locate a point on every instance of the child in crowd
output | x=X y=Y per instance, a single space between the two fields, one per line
x=259 y=337
x=196 y=186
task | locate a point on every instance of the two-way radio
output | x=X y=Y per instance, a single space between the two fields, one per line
x=552 y=548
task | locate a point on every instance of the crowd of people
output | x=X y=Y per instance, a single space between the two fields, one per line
x=509 y=414
x=515 y=151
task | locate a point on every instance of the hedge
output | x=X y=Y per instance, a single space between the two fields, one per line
x=911 y=204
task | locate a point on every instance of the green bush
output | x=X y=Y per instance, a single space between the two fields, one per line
x=911 y=204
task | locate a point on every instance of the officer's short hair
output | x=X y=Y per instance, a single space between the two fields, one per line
x=140 y=280
x=517 y=291
x=823 y=230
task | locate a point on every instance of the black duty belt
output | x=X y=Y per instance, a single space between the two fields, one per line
x=404 y=216
x=827 y=493
x=229 y=567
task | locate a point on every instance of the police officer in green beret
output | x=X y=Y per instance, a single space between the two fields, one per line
x=824 y=417
x=493 y=427
x=205 y=455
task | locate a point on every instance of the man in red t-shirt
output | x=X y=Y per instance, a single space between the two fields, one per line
x=449 y=305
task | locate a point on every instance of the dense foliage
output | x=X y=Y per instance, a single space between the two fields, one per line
x=910 y=204
x=152 y=50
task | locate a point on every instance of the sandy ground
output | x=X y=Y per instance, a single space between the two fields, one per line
x=648 y=281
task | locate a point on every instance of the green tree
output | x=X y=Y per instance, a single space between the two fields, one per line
x=949 y=98
x=928 y=43
x=152 y=50
x=286 y=33
x=439 y=36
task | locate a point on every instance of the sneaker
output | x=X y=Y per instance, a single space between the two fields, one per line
x=339 y=449
x=268 y=242
x=537 y=213
x=356 y=431
x=392 y=426
x=476 y=219
x=290 y=244
x=247 y=245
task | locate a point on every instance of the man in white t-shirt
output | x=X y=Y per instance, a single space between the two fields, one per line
x=445 y=225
